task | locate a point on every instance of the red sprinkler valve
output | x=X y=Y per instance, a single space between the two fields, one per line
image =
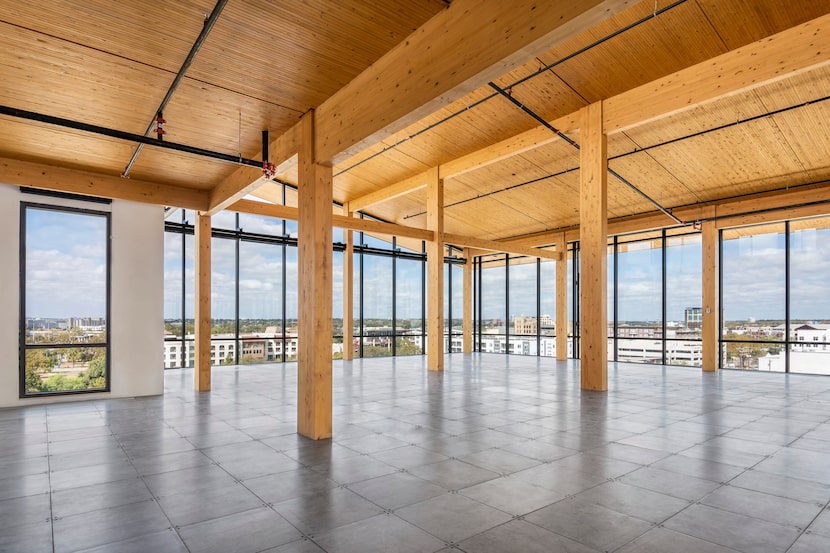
x=269 y=170
x=160 y=132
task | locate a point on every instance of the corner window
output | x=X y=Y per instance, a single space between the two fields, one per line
x=64 y=300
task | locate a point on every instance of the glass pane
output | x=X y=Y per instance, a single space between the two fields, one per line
x=457 y=322
x=66 y=277
x=224 y=220
x=189 y=291
x=752 y=297
x=409 y=306
x=291 y=294
x=173 y=299
x=259 y=224
x=377 y=290
x=493 y=302
x=687 y=353
x=223 y=288
x=522 y=296
x=337 y=300
x=683 y=288
x=639 y=288
x=548 y=297
x=260 y=302
x=65 y=369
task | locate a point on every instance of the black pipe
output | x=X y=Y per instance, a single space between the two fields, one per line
x=122 y=135
x=562 y=135
x=208 y=25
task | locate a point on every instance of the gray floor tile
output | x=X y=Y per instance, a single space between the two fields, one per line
x=821 y=525
x=699 y=468
x=330 y=509
x=20 y=486
x=276 y=488
x=25 y=510
x=590 y=524
x=562 y=481
x=771 y=508
x=246 y=532
x=408 y=457
x=11 y=467
x=499 y=461
x=662 y=540
x=165 y=541
x=637 y=502
x=188 y=507
x=93 y=474
x=379 y=534
x=111 y=525
x=396 y=490
x=372 y=443
x=452 y=517
x=798 y=463
x=811 y=543
x=670 y=483
x=250 y=460
x=740 y=532
x=98 y=496
x=156 y=464
x=630 y=453
x=29 y=538
x=522 y=536
x=784 y=486
x=453 y=474
x=299 y=546
x=512 y=495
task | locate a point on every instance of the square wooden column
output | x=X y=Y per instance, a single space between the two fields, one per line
x=710 y=345
x=348 y=291
x=562 y=298
x=593 y=230
x=201 y=362
x=314 y=191
x=467 y=314
x=435 y=272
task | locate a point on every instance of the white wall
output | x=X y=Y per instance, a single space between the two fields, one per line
x=137 y=326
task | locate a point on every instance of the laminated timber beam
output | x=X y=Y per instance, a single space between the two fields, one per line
x=282 y=152
x=401 y=188
x=73 y=181
x=786 y=54
x=783 y=55
x=458 y=50
x=202 y=285
x=494 y=246
x=435 y=273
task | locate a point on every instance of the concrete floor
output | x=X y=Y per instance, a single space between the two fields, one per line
x=497 y=454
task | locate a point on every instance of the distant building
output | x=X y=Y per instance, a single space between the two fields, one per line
x=694 y=317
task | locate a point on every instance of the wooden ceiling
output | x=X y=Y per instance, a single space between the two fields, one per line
x=264 y=64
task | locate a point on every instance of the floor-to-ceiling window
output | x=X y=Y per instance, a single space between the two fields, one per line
x=65 y=299
x=753 y=296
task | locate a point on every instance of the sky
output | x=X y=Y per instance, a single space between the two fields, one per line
x=65 y=264
x=753 y=280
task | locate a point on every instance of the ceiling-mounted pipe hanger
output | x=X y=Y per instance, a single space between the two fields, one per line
x=208 y=25
x=573 y=143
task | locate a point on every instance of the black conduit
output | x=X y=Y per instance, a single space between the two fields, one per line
x=209 y=22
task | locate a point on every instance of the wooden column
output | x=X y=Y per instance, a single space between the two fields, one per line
x=435 y=272
x=593 y=225
x=314 y=193
x=467 y=325
x=201 y=362
x=711 y=362
x=562 y=298
x=348 y=290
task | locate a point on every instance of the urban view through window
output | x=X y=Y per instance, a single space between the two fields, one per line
x=65 y=297
x=649 y=321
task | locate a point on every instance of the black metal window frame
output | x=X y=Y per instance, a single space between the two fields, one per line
x=23 y=346
x=239 y=235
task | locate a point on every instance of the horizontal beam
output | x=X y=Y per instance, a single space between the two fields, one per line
x=493 y=246
x=458 y=50
x=349 y=223
x=797 y=50
x=387 y=193
x=378 y=227
x=73 y=181
x=282 y=153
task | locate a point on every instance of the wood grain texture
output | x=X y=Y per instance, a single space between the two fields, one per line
x=202 y=358
x=435 y=273
x=593 y=219
x=711 y=309
x=348 y=289
x=314 y=274
x=467 y=309
x=561 y=298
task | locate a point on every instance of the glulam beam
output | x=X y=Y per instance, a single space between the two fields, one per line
x=348 y=289
x=561 y=298
x=467 y=310
x=88 y=183
x=458 y=50
x=709 y=282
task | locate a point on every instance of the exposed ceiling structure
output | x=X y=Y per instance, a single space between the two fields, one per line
x=264 y=64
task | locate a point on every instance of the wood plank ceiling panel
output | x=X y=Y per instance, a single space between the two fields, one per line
x=740 y=22
x=157 y=34
x=298 y=53
x=639 y=55
x=180 y=168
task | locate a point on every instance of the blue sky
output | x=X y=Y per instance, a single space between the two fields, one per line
x=65 y=264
